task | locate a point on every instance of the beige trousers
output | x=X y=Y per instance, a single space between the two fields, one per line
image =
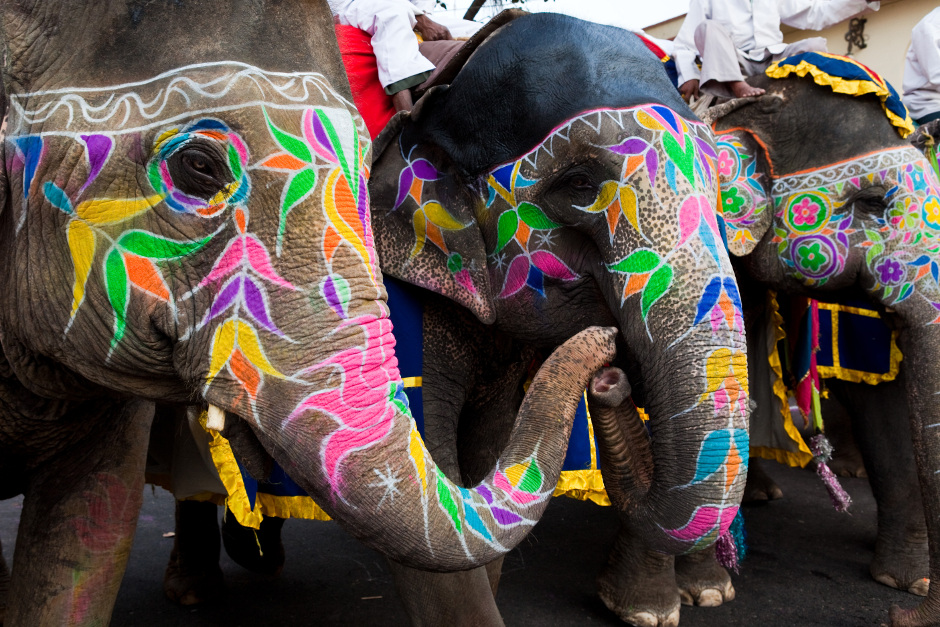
x=722 y=63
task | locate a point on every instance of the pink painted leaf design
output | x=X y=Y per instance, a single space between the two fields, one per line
x=230 y=258
x=260 y=261
x=552 y=266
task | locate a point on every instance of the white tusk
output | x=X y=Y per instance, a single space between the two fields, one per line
x=216 y=418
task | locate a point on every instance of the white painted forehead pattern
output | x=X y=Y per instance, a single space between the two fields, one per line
x=180 y=95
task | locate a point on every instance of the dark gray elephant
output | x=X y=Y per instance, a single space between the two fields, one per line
x=842 y=210
x=185 y=218
x=546 y=188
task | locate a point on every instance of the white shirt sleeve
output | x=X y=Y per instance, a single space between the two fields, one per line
x=685 y=51
x=821 y=14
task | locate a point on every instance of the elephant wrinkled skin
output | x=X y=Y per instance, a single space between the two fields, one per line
x=186 y=219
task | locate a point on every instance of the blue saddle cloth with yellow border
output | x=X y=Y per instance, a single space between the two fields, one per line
x=250 y=499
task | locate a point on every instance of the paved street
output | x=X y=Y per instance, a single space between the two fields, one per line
x=807 y=565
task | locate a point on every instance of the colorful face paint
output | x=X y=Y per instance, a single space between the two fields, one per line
x=816 y=230
x=744 y=202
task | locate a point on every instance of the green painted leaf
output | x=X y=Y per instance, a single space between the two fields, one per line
x=297 y=189
x=455 y=263
x=115 y=276
x=639 y=261
x=532 y=479
x=535 y=217
x=292 y=144
x=873 y=252
x=447 y=501
x=351 y=176
x=234 y=163
x=659 y=282
x=873 y=236
x=506 y=229
x=145 y=244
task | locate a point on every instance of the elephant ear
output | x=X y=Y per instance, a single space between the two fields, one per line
x=423 y=219
x=746 y=202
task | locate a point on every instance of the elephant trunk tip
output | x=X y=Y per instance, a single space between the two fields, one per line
x=609 y=387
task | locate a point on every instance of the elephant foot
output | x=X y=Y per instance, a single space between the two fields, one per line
x=760 y=488
x=902 y=565
x=847 y=461
x=193 y=574
x=702 y=581
x=187 y=584
x=927 y=614
x=639 y=586
x=258 y=551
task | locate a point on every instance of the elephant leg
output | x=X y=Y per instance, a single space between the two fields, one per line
x=460 y=599
x=639 y=585
x=259 y=551
x=193 y=574
x=78 y=521
x=702 y=580
x=760 y=487
x=4 y=584
x=494 y=571
x=846 y=456
x=881 y=426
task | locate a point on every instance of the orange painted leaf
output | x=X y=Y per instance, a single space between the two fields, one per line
x=146 y=276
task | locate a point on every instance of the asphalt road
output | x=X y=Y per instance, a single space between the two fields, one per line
x=807 y=565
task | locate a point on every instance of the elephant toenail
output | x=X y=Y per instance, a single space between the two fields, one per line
x=710 y=598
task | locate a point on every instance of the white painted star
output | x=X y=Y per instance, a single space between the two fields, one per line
x=545 y=238
x=499 y=260
x=387 y=480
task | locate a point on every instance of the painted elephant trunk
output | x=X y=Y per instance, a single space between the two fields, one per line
x=679 y=477
x=375 y=476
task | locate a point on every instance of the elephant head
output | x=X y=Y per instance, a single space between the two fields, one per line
x=201 y=232
x=549 y=189
x=822 y=196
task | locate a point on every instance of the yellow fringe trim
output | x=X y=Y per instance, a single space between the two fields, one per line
x=265 y=504
x=790 y=458
x=584 y=485
x=842 y=86
x=837 y=371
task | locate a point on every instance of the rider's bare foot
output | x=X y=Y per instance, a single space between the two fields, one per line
x=740 y=89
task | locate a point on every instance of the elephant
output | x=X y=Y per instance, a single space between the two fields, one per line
x=840 y=209
x=596 y=205
x=544 y=189
x=189 y=222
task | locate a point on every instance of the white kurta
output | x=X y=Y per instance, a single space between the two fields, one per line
x=754 y=25
x=922 y=68
x=391 y=24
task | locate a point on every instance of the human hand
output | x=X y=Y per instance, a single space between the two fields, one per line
x=431 y=30
x=689 y=89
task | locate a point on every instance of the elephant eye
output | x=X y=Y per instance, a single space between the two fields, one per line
x=869 y=200
x=200 y=170
x=580 y=182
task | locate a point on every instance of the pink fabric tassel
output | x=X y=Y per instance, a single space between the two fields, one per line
x=726 y=553
x=822 y=453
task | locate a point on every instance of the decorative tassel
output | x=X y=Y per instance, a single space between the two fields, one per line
x=822 y=453
x=730 y=548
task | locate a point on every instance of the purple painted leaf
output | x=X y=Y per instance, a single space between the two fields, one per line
x=706 y=148
x=363 y=202
x=322 y=137
x=516 y=276
x=424 y=170
x=652 y=166
x=225 y=298
x=843 y=239
x=257 y=306
x=483 y=491
x=404 y=186
x=631 y=146
x=505 y=517
x=98 y=149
